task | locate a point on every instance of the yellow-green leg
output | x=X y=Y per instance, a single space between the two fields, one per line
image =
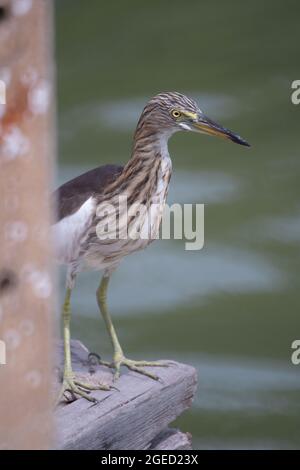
x=70 y=382
x=118 y=357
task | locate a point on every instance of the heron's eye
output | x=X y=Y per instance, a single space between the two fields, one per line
x=176 y=114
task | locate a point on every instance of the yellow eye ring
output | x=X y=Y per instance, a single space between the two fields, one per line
x=176 y=114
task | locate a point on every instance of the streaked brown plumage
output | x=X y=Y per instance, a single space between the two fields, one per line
x=145 y=180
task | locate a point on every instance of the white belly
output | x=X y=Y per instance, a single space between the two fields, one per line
x=69 y=232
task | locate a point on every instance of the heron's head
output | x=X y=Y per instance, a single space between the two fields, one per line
x=171 y=112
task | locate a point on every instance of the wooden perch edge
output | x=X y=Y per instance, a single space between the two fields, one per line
x=135 y=417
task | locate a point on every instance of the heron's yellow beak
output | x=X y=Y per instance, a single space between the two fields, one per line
x=207 y=126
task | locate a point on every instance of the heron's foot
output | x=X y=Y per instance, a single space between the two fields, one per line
x=137 y=366
x=73 y=388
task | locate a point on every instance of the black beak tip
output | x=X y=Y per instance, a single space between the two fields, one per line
x=245 y=143
x=238 y=140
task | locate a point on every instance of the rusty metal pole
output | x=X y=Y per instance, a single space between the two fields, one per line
x=27 y=152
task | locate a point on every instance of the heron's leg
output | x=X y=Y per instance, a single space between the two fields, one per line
x=71 y=383
x=66 y=314
x=119 y=359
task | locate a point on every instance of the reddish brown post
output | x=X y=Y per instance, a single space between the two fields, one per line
x=26 y=157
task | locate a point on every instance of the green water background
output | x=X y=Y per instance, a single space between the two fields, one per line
x=232 y=309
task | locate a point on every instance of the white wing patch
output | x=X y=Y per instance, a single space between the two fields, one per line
x=69 y=231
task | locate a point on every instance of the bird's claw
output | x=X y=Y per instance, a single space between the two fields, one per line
x=136 y=366
x=77 y=388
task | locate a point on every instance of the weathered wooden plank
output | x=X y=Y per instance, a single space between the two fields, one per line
x=130 y=418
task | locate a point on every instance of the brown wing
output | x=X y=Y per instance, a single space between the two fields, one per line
x=69 y=197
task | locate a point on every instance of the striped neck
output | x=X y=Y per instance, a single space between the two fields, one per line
x=149 y=161
x=147 y=148
x=150 y=158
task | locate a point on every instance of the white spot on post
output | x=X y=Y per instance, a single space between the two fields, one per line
x=16 y=231
x=41 y=284
x=21 y=7
x=29 y=77
x=39 y=98
x=12 y=339
x=14 y=144
x=11 y=202
x=34 y=378
x=40 y=280
x=27 y=327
